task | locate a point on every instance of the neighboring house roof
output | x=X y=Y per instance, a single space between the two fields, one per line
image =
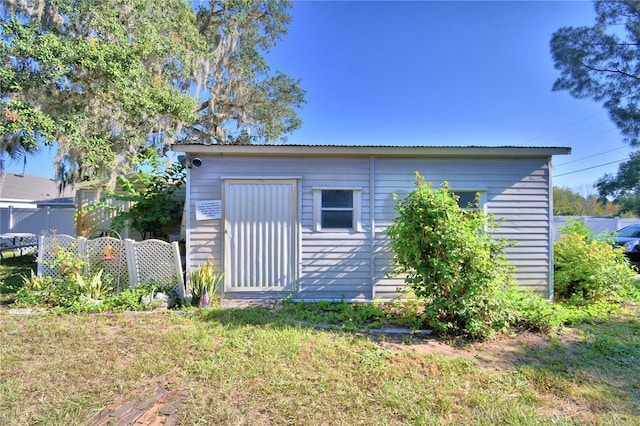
x=34 y=189
x=352 y=150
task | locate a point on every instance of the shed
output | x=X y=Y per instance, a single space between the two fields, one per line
x=309 y=222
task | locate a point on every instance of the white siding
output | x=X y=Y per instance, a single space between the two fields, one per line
x=517 y=190
x=349 y=265
x=332 y=265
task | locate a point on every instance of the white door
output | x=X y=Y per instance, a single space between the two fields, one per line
x=260 y=234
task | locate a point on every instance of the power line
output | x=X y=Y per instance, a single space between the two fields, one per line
x=590 y=156
x=592 y=167
x=563 y=127
x=571 y=135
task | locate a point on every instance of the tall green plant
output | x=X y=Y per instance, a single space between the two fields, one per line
x=450 y=259
x=205 y=277
x=95 y=286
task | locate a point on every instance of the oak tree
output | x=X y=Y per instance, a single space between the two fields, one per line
x=106 y=79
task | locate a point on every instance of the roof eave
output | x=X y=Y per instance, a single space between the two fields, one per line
x=391 y=151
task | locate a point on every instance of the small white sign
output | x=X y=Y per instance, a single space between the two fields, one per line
x=211 y=209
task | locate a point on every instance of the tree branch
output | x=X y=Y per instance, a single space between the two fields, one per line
x=612 y=71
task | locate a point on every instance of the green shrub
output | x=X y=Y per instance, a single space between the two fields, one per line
x=450 y=260
x=528 y=311
x=589 y=269
x=62 y=292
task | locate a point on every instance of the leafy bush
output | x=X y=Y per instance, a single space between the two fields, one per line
x=450 y=260
x=589 y=269
x=48 y=291
x=77 y=294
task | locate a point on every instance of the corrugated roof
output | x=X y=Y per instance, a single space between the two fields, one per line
x=32 y=188
x=370 y=146
x=382 y=150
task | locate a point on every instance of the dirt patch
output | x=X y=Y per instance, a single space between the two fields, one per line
x=503 y=352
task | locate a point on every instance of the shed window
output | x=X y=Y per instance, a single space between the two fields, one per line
x=336 y=209
x=467 y=199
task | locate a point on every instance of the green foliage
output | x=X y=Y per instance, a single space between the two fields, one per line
x=104 y=80
x=451 y=261
x=152 y=192
x=252 y=104
x=356 y=316
x=97 y=79
x=79 y=294
x=61 y=292
x=96 y=286
x=569 y=203
x=623 y=189
x=67 y=262
x=36 y=283
x=79 y=289
x=131 y=299
x=589 y=269
x=602 y=62
x=207 y=277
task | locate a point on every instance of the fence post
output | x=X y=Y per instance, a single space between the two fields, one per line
x=130 y=254
x=40 y=255
x=176 y=257
x=10 y=218
x=82 y=247
x=47 y=221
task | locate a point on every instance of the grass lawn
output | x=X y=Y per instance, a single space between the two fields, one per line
x=258 y=366
x=12 y=269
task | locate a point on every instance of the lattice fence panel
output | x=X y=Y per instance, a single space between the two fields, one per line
x=108 y=254
x=48 y=248
x=149 y=261
x=157 y=261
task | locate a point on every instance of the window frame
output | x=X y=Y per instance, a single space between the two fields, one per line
x=356 y=209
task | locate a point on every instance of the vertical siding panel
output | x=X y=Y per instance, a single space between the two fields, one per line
x=261 y=217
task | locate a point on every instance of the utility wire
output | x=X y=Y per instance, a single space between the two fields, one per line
x=590 y=156
x=573 y=135
x=551 y=132
x=589 y=168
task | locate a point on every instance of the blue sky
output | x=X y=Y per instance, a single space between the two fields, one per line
x=439 y=73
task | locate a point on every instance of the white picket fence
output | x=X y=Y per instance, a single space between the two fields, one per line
x=128 y=262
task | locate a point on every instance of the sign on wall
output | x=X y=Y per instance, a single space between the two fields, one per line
x=209 y=209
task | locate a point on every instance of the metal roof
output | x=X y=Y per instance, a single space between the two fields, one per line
x=383 y=150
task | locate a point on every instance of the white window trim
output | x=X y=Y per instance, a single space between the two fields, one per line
x=317 y=208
